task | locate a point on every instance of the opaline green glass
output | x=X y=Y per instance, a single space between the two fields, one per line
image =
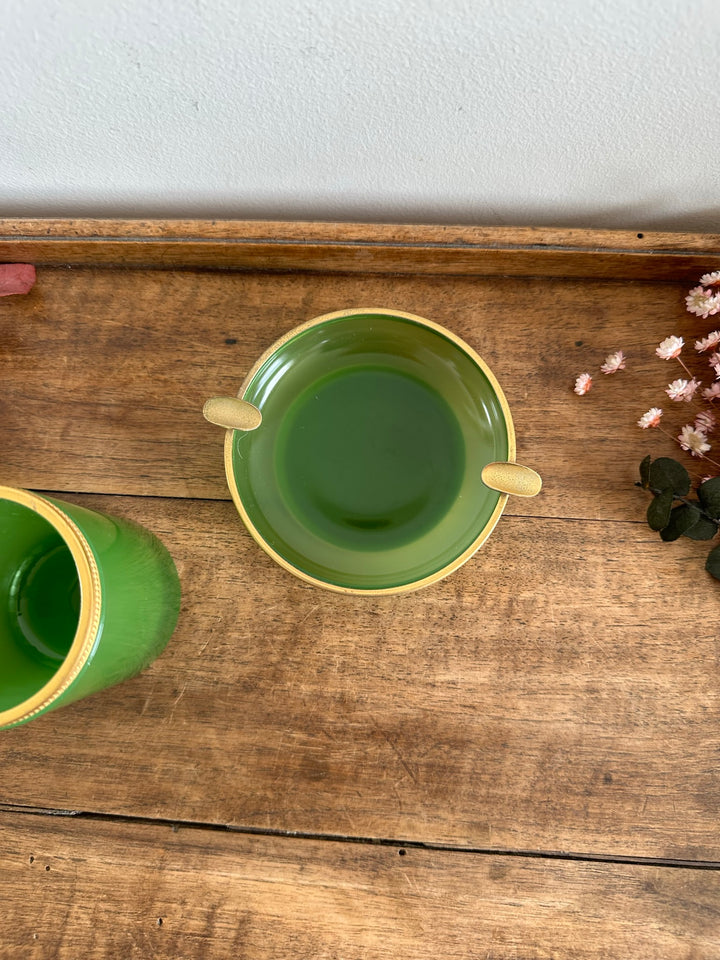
x=38 y=614
x=370 y=459
x=365 y=471
x=47 y=600
x=40 y=591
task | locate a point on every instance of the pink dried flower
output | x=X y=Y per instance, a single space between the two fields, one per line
x=670 y=348
x=703 y=303
x=614 y=362
x=682 y=389
x=714 y=361
x=691 y=389
x=705 y=421
x=694 y=441
x=583 y=384
x=651 y=418
x=712 y=392
x=710 y=279
x=711 y=341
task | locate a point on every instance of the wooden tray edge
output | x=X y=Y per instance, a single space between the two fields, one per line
x=360 y=248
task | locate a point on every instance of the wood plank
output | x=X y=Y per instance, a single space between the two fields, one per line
x=558 y=693
x=383 y=248
x=303 y=231
x=105 y=372
x=91 y=889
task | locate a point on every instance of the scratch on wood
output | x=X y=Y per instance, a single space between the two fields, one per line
x=176 y=701
x=395 y=750
x=310 y=612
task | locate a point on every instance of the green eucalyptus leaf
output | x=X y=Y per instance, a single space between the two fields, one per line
x=682 y=519
x=709 y=494
x=704 y=529
x=712 y=564
x=666 y=472
x=658 y=512
x=645 y=472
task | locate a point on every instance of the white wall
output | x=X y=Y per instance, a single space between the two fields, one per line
x=562 y=112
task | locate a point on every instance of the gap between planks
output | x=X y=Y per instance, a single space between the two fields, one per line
x=175 y=825
x=506 y=514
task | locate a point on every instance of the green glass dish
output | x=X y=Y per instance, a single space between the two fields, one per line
x=362 y=471
x=87 y=600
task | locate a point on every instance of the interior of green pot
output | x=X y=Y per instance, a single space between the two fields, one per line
x=40 y=590
x=365 y=472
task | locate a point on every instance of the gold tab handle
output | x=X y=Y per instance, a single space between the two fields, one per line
x=513 y=478
x=232 y=413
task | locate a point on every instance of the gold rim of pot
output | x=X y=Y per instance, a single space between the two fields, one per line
x=90 y=606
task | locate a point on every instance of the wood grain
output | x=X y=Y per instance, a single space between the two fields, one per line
x=558 y=693
x=105 y=373
x=557 y=696
x=73 y=888
x=379 y=248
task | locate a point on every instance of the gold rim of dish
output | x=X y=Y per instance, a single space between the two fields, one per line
x=90 y=606
x=414 y=584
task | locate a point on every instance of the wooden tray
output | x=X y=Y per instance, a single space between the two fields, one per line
x=551 y=706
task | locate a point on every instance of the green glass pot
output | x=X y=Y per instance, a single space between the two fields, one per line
x=370 y=451
x=87 y=600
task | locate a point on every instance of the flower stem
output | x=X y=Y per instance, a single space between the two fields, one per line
x=682 y=364
x=685 y=500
